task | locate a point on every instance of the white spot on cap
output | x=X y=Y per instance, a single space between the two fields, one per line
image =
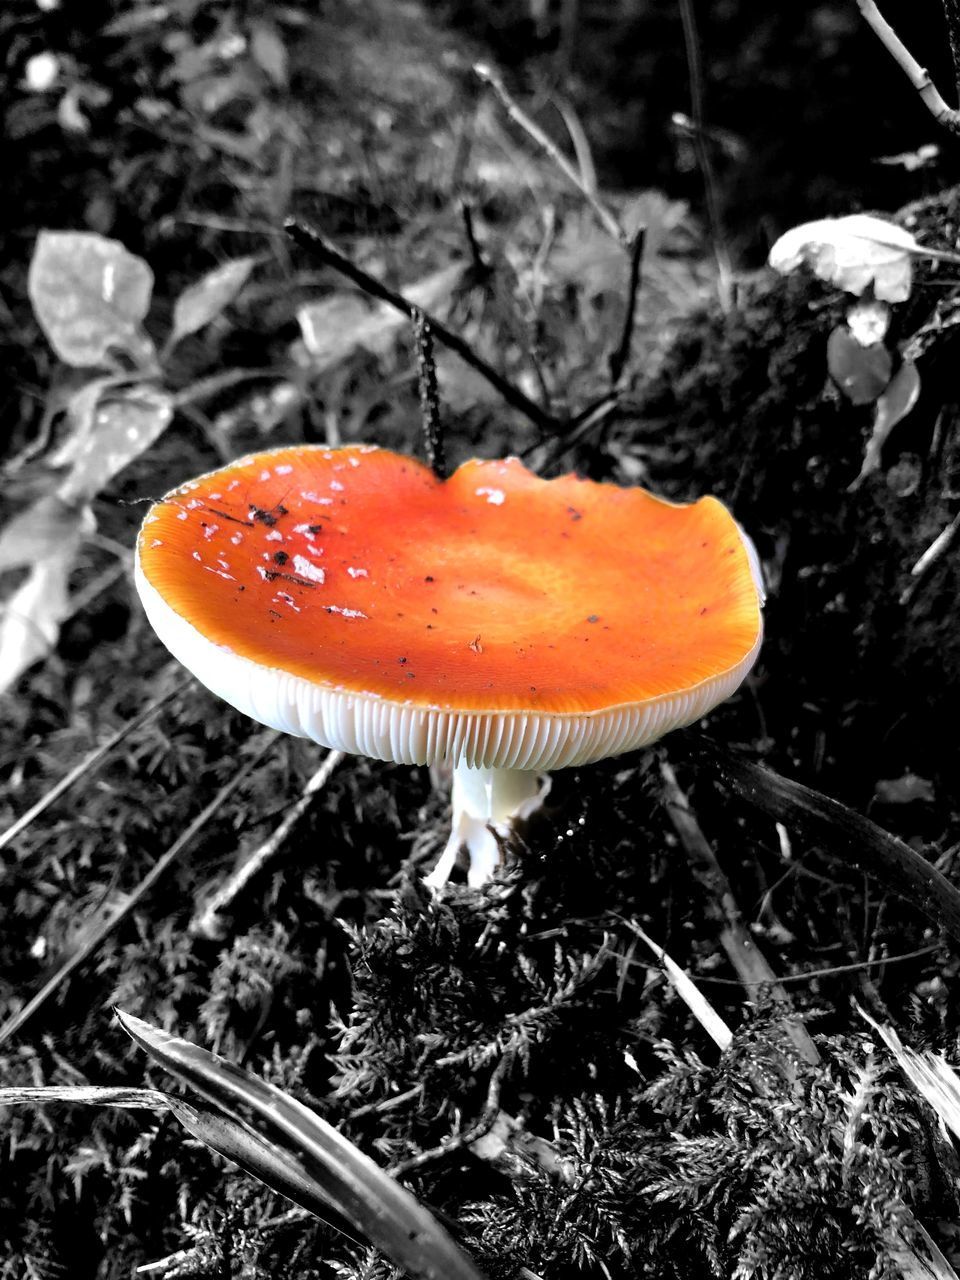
x=193 y=504
x=336 y=485
x=494 y=496
x=236 y=538
x=181 y=515
x=287 y=600
x=264 y=475
x=274 y=536
x=157 y=542
x=210 y=530
x=345 y=613
x=305 y=529
x=196 y=555
x=357 y=573
x=283 y=470
x=312 y=572
x=309 y=496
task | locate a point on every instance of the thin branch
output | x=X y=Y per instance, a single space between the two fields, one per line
x=481 y=266
x=937 y=549
x=813 y=974
x=89 y=762
x=606 y=218
x=480 y=1127
x=618 y=360
x=691 y=43
x=208 y=921
x=429 y=395
x=99 y=930
x=918 y=76
x=310 y=238
x=723 y=911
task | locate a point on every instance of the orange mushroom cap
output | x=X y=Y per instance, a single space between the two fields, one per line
x=493 y=619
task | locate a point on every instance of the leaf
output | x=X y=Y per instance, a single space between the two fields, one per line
x=30 y=620
x=269 y=52
x=89 y=295
x=893 y=405
x=277 y=1169
x=205 y=300
x=42 y=531
x=357 y=1188
x=861 y=373
x=122 y=429
x=853 y=253
x=336 y=327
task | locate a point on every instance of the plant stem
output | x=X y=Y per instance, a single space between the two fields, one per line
x=429 y=395
x=918 y=76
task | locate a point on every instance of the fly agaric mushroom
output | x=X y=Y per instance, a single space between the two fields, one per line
x=497 y=622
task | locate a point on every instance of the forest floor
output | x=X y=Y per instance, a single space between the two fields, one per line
x=809 y=824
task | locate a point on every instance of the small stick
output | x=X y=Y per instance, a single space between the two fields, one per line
x=207 y=922
x=309 y=237
x=751 y=965
x=480 y=265
x=936 y=551
x=479 y=1129
x=619 y=358
x=607 y=220
x=918 y=76
x=89 y=762
x=429 y=395
x=101 y=929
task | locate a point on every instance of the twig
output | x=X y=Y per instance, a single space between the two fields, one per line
x=691 y=44
x=207 y=922
x=89 y=762
x=621 y=355
x=310 y=238
x=722 y=908
x=581 y=145
x=101 y=929
x=918 y=76
x=936 y=550
x=477 y=1130
x=811 y=974
x=606 y=218
x=429 y=395
x=481 y=266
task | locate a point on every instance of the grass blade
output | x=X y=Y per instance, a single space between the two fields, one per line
x=367 y=1197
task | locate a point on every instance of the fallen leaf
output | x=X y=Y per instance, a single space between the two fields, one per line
x=853 y=253
x=90 y=296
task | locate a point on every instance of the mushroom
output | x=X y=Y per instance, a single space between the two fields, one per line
x=496 y=622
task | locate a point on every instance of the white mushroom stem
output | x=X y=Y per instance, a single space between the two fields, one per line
x=486 y=801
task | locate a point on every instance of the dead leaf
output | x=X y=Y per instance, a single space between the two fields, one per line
x=853 y=253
